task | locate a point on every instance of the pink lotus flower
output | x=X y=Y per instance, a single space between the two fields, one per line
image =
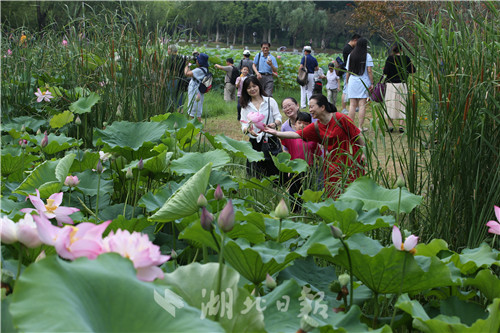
x=409 y=244
x=46 y=96
x=52 y=209
x=72 y=181
x=137 y=247
x=71 y=242
x=24 y=231
x=23 y=143
x=256 y=119
x=9 y=52
x=64 y=42
x=494 y=225
x=279 y=57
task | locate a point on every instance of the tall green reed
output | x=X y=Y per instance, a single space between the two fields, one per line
x=449 y=153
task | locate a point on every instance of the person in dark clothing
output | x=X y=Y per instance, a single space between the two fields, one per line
x=397 y=69
x=345 y=53
x=246 y=61
x=176 y=80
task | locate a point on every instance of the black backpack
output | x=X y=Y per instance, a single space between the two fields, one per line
x=206 y=83
x=234 y=75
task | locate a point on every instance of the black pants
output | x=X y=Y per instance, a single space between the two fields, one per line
x=265 y=168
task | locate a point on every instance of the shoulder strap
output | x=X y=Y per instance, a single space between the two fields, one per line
x=316 y=127
x=258 y=63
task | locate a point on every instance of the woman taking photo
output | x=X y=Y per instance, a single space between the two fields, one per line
x=359 y=80
x=396 y=69
x=341 y=139
x=258 y=111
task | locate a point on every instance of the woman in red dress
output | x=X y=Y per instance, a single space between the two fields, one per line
x=342 y=142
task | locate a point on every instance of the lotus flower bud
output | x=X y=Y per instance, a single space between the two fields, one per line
x=45 y=140
x=270 y=282
x=78 y=121
x=202 y=201
x=281 y=210
x=218 y=194
x=176 y=126
x=173 y=254
x=401 y=181
x=41 y=256
x=336 y=232
x=140 y=165
x=71 y=181
x=99 y=168
x=23 y=128
x=23 y=143
x=206 y=219
x=38 y=132
x=226 y=217
x=129 y=174
x=344 y=279
x=119 y=111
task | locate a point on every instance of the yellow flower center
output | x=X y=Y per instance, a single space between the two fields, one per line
x=402 y=247
x=50 y=206
x=72 y=235
x=413 y=251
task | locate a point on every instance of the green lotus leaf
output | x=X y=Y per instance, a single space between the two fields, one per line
x=285 y=164
x=135 y=224
x=312 y=196
x=239 y=148
x=85 y=104
x=124 y=134
x=7 y=324
x=446 y=323
x=289 y=229
x=470 y=260
x=321 y=244
x=284 y=311
x=381 y=268
x=84 y=161
x=88 y=183
x=433 y=248
x=186 y=137
x=56 y=143
x=61 y=119
x=156 y=199
x=257 y=261
x=48 y=177
x=29 y=123
x=349 y=216
x=192 y=162
x=195 y=233
x=14 y=160
x=222 y=178
x=155 y=164
x=101 y=295
x=375 y=196
x=184 y=201
x=188 y=282
x=487 y=283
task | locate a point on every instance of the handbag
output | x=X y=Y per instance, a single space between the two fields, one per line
x=270 y=145
x=378 y=93
x=302 y=78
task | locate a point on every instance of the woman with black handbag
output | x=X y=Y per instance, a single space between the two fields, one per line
x=257 y=111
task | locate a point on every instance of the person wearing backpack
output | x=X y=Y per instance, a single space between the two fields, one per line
x=246 y=61
x=197 y=75
x=232 y=74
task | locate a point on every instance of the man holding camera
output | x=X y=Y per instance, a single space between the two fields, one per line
x=264 y=64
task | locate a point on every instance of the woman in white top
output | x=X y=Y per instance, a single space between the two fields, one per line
x=359 y=80
x=254 y=99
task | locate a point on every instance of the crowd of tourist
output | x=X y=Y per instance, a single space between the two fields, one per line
x=321 y=136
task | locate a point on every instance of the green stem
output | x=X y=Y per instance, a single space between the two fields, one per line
x=173 y=236
x=215 y=239
x=221 y=268
x=400 y=288
x=351 y=282
x=399 y=206
x=20 y=261
x=97 y=201
x=205 y=254
x=126 y=198
x=376 y=312
x=69 y=198
x=279 y=230
x=135 y=192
